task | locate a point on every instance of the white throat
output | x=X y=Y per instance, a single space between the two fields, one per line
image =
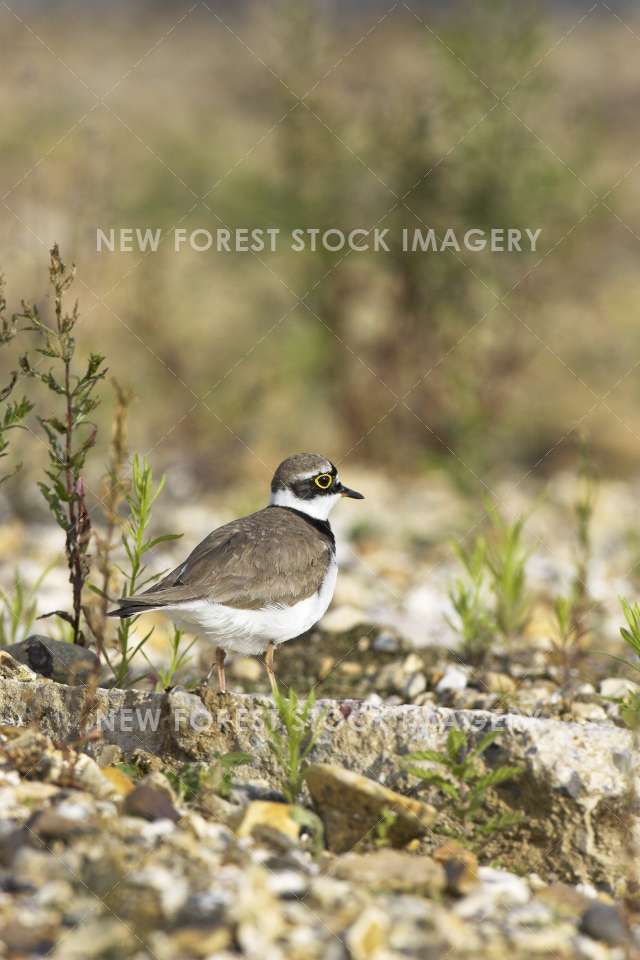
x=319 y=507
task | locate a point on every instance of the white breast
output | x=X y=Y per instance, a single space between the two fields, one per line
x=249 y=631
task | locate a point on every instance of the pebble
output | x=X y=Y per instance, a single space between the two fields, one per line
x=12 y=669
x=499 y=682
x=618 y=687
x=603 y=921
x=55 y=659
x=150 y=804
x=285 y=819
x=51 y=825
x=415 y=685
x=368 y=935
x=498 y=890
x=455 y=678
x=592 y=712
x=564 y=900
x=350 y=668
x=393 y=871
x=412 y=664
x=351 y=805
x=587 y=949
x=386 y=643
x=171 y=888
x=288 y=884
x=460 y=866
x=102 y=937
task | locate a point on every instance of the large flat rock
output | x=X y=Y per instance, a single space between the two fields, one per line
x=578 y=792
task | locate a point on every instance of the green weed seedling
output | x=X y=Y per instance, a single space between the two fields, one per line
x=137 y=543
x=191 y=777
x=384 y=826
x=476 y=622
x=186 y=781
x=12 y=411
x=292 y=747
x=506 y=561
x=565 y=639
x=464 y=785
x=131 y=770
x=630 y=705
x=18 y=609
x=179 y=658
x=583 y=509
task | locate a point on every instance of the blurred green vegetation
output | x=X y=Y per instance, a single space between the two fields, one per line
x=283 y=114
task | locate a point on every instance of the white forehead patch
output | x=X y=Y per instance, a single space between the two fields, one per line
x=321 y=468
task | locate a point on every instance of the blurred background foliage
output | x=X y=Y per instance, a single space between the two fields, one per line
x=304 y=114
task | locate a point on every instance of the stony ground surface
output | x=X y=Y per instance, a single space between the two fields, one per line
x=96 y=864
x=120 y=856
x=106 y=850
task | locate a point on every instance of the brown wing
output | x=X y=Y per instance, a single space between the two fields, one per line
x=269 y=557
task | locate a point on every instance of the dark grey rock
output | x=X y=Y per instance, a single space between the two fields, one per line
x=150 y=804
x=603 y=921
x=63 y=662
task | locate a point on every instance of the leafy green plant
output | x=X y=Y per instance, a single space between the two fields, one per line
x=131 y=770
x=187 y=780
x=506 y=561
x=292 y=747
x=565 y=639
x=71 y=434
x=465 y=784
x=384 y=826
x=631 y=633
x=583 y=509
x=19 y=608
x=137 y=543
x=218 y=776
x=476 y=621
x=630 y=705
x=179 y=657
x=12 y=412
x=113 y=495
x=221 y=773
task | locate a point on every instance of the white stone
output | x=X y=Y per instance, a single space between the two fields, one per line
x=587 y=949
x=455 y=678
x=498 y=888
x=592 y=712
x=618 y=687
x=416 y=684
x=287 y=883
x=157 y=829
x=73 y=811
x=412 y=663
x=367 y=937
x=172 y=889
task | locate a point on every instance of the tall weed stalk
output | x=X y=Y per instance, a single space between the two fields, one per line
x=70 y=433
x=137 y=544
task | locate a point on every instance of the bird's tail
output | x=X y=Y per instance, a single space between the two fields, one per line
x=131 y=606
x=155 y=599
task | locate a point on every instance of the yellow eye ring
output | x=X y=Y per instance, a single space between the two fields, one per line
x=324 y=481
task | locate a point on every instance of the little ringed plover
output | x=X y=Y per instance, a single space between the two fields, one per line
x=260 y=580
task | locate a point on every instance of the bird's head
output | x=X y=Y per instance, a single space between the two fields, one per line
x=310 y=483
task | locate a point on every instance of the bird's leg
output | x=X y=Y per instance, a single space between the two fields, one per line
x=268 y=659
x=218 y=663
x=220 y=655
